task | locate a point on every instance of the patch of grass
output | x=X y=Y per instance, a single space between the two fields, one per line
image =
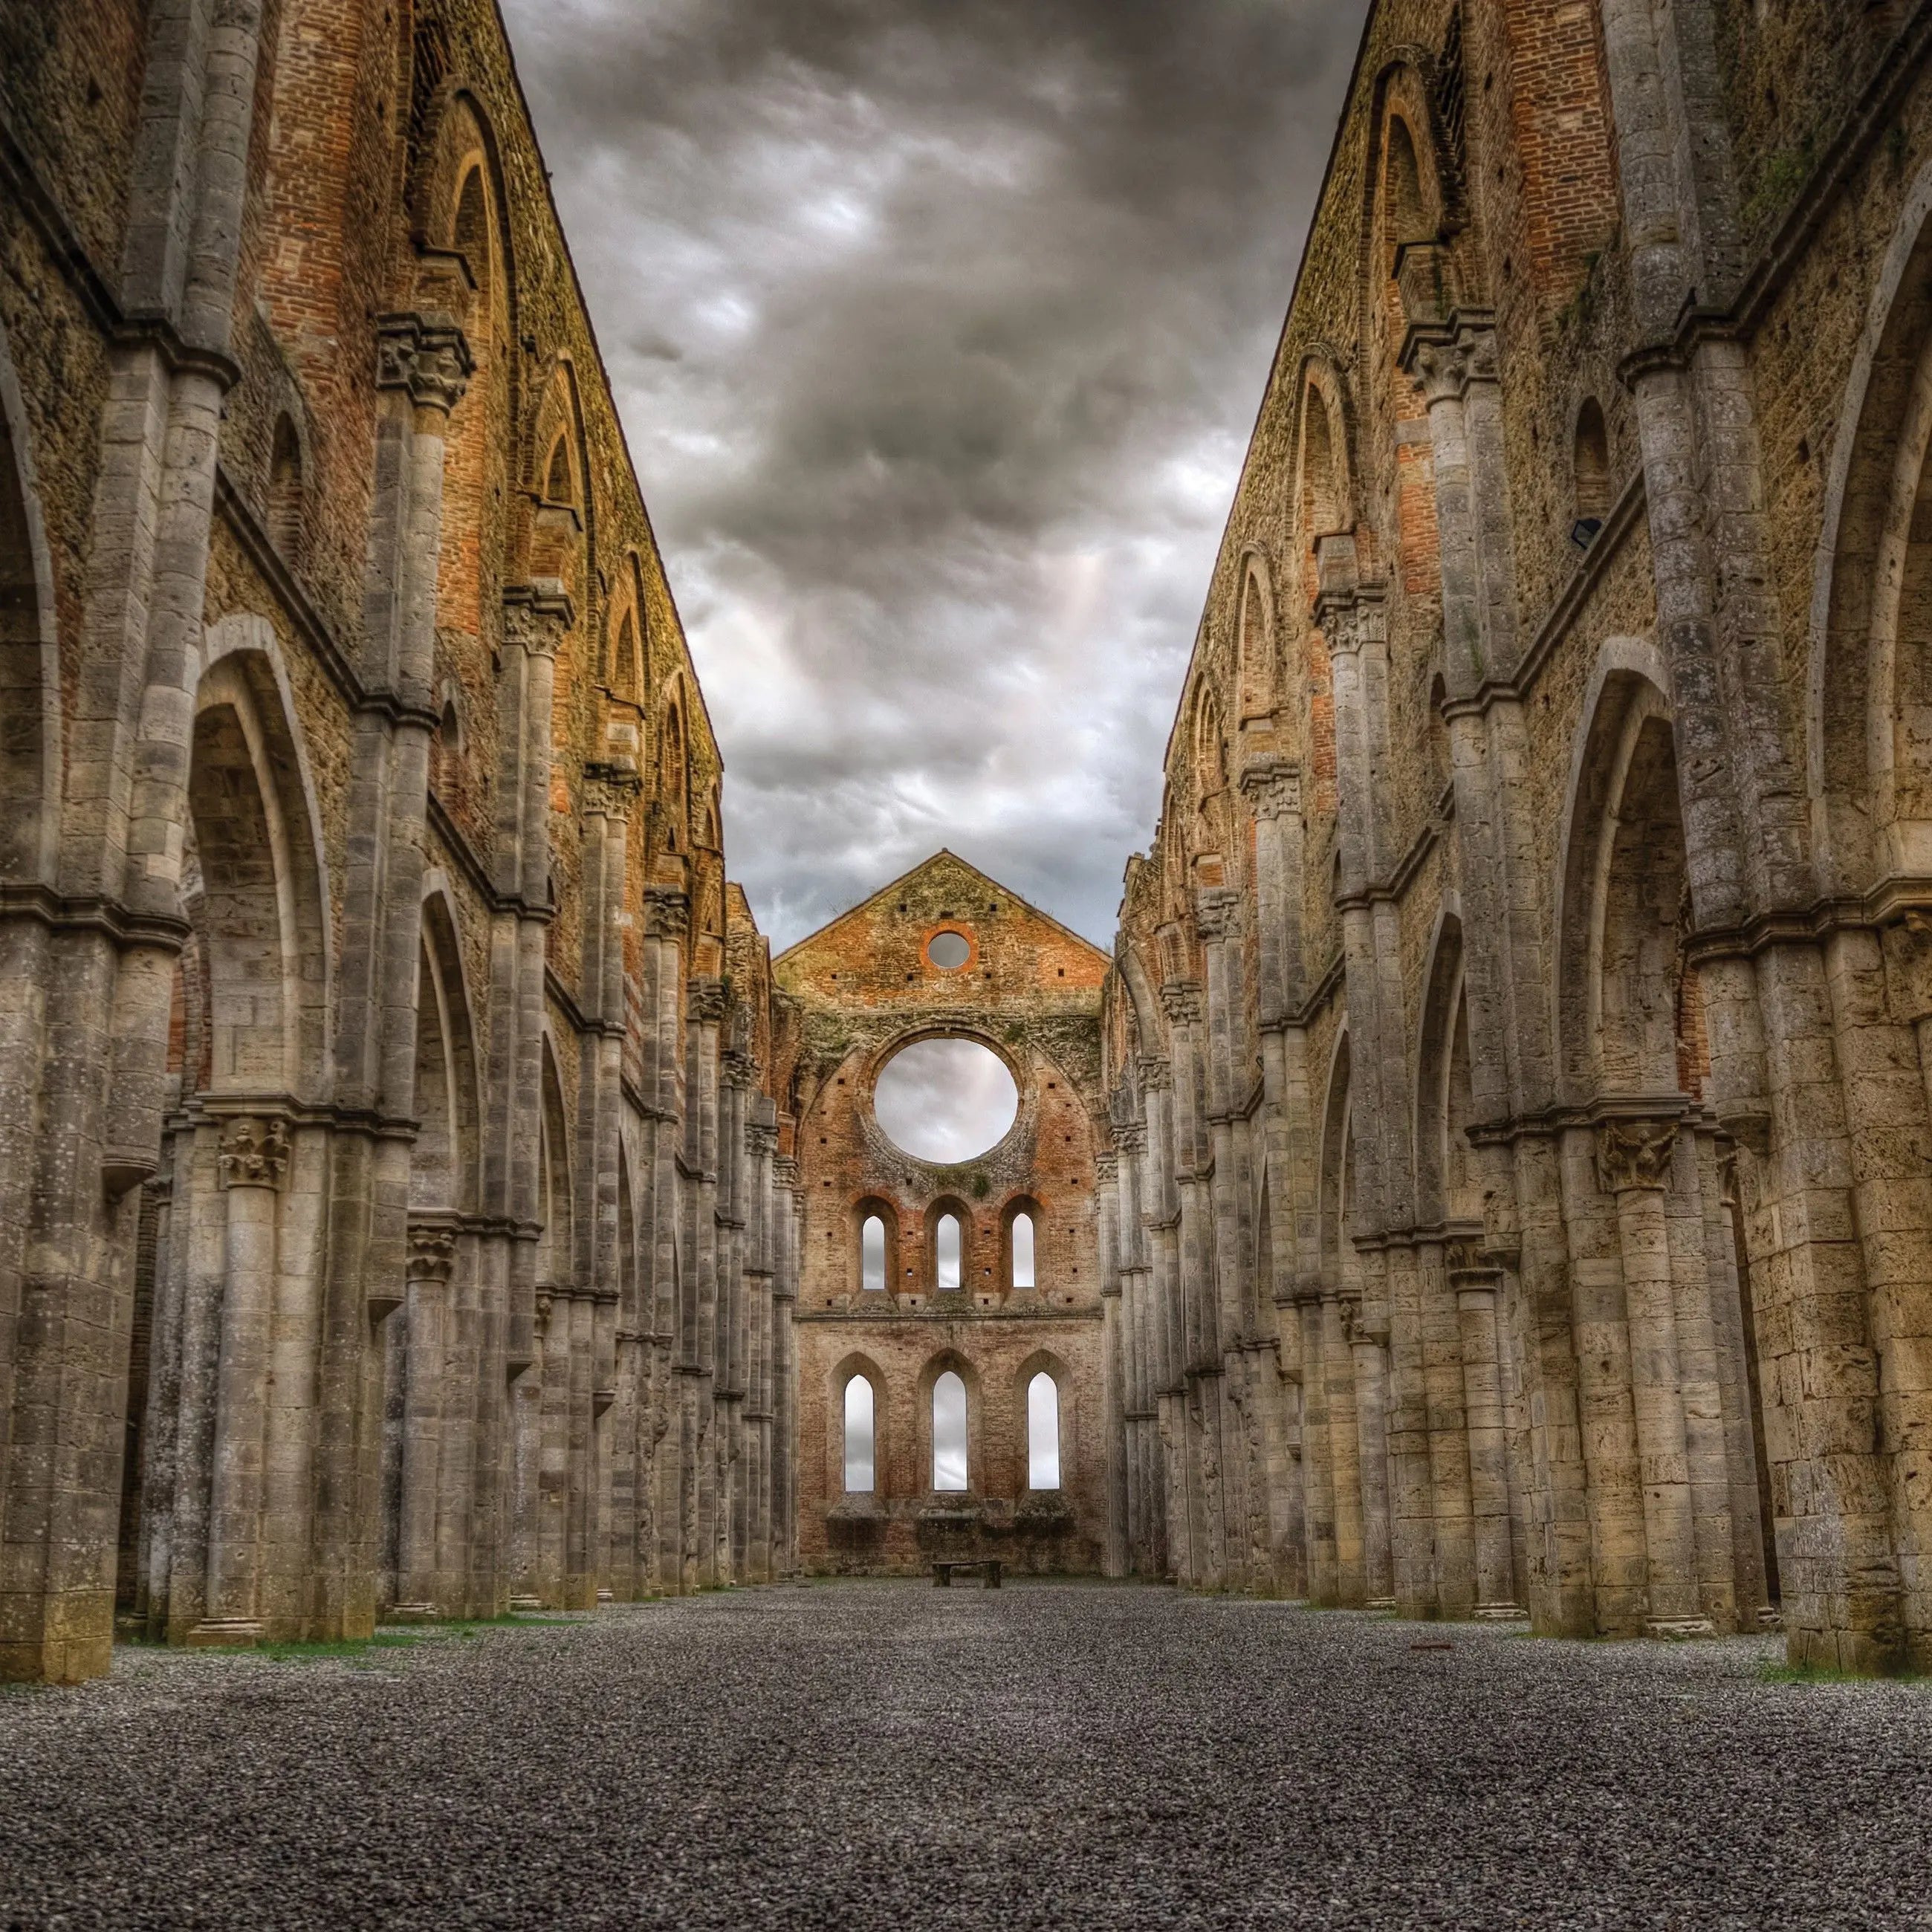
x=1771 y=1672
x=347 y=1646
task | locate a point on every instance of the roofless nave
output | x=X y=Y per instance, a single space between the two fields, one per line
x=1494 y=1161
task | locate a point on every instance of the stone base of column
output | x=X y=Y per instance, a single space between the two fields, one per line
x=1676 y=1629
x=412 y=1613
x=1770 y=1617
x=520 y=1603
x=607 y=1596
x=224 y=1634
x=1379 y=1603
x=1501 y=1613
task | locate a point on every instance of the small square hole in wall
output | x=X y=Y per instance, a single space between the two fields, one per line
x=1063 y=972
x=1051 y=1085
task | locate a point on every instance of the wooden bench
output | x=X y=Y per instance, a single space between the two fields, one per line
x=988 y=1568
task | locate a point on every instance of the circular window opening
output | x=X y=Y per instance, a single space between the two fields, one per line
x=948 y=951
x=946 y=1100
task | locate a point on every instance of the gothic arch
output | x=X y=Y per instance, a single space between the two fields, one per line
x=261 y=912
x=1256 y=650
x=1869 y=695
x=556 y=1248
x=30 y=681
x=562 y=535
x=848 y=1368
x=1626 y=1021
x=1445 y=1189
x=1324 y=484
x=1044 y=1362
x=449 y=1150
x=1332 y=1231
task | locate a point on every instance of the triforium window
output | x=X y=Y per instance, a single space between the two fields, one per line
x=949 y=1432
x=1022 y=1251
x=946 y=1258
x=872 y=1253
x=1042 y=1432
x=861 y=1455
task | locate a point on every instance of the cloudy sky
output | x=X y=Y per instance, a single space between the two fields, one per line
x=938 y=327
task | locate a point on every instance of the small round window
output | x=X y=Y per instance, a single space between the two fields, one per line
x=948 y=951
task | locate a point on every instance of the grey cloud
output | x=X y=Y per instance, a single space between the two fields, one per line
x=937 y=331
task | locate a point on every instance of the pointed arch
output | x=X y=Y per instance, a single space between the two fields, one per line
x=446 y=1056
x=1626 y=1020
x=556 y=1247
x=262 y=909
x=1256 y=648
x=1445 y=1178
x=30 y=681
x=1869 y=695
x=1331 y=1234
x=1324 y=487
x=563 y=514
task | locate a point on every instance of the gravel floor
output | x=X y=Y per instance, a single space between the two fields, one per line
x=883 y=1755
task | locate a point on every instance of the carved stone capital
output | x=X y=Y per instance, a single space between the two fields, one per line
x=736 y=1068
x=425 y=354
x=667 y=912
x=432 y=1252
x=1107 y=1167
x=1217 y=913
x=785 y=1170
x=1447 y=367
x=1272 y=787
x=537 y=615
x=1634 y=1154
x=1156 y=1075
x=1130 y=1137
x=254 y=1153
x=611 y=789
x=1181 y=999
x=706 y=1000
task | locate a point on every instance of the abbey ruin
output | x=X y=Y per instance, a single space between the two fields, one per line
x=1490 y=1176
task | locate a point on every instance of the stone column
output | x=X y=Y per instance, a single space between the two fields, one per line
x=1368 y=1340
x=254 y=1157
x=1633 y=1164
x=421 y=1592
x=1474 y=1286
x=787 y=1210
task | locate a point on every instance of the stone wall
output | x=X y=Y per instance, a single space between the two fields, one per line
x=384 y=1064
x=854 y=994
x=1517 y=1043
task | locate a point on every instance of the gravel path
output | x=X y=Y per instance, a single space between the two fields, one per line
x=861 y=1755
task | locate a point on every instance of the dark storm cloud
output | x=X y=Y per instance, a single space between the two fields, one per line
x=937 y=327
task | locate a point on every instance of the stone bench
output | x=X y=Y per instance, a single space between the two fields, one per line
x=988 y=1568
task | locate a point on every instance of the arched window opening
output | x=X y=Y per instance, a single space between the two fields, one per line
x=1440 y=760
x=1022 y=1261
x=1042 y=1432
x=861 y=1445
x=949 y=1432
x=1321 y=491
x=947 y=1257
x=446 y=745
x=872 y=1255
x=1407 y=219
x=285 y=489
x=624 y=674
x=1591 y=469
x=557 y=484
x=1257 y=650
x=472 y=231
